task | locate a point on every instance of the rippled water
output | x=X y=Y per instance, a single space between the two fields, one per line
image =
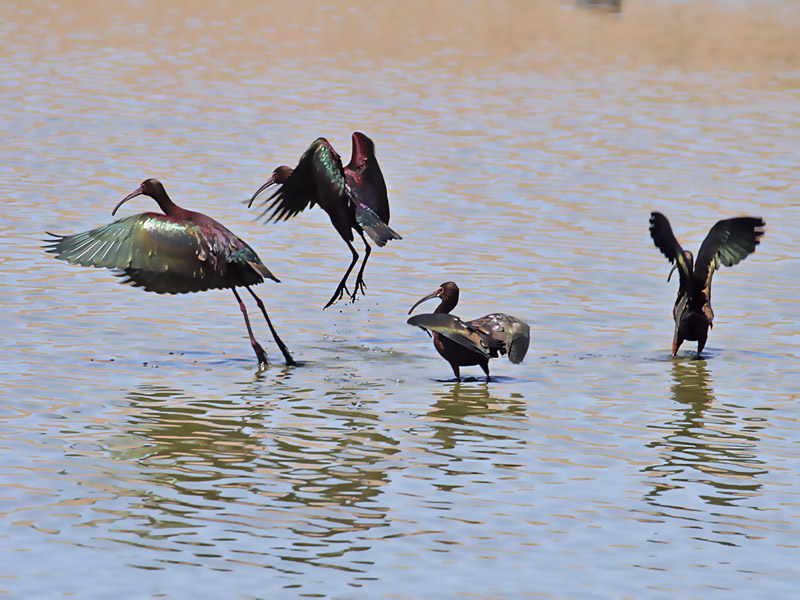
x=144 y=454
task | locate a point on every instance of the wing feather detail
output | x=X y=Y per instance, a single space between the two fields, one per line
x=454 y=329
x=512 y=333
x=365 y=178
x=728 y=242
x=664 y=239
x=492 y=335
x=370 y=222
x=163 y=255
x=318 y=179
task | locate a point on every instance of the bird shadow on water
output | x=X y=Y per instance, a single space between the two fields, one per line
x=707 y=449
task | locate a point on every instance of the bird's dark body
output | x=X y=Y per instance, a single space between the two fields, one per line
x=459 y=355
x=178 y=252
x=728 y=242
x=469 y=343
x=353 y=196
x=692 y=323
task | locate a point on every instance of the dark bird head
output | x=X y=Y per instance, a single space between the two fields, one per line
x=279 y=176
x=363 y=149
x=150 y=187
x=447 y=292
x=689 y=258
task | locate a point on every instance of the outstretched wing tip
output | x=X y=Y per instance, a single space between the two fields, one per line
x=518 y=349
x=50 y=244
x=728 y=243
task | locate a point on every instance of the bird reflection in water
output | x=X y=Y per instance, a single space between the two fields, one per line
x=186 y=441
x=467 y=412
x=705 y=444
x=309 y=478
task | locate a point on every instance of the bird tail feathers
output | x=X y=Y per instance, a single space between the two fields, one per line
x=262 y=270
x=376 y=229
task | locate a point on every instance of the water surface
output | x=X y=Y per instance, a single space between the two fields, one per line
x=524 y=146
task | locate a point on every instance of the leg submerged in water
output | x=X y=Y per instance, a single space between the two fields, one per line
x=284 y=350
x=260 y=354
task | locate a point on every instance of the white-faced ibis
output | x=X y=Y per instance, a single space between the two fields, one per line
x=467 y=343
x=727 y=243
x=178 y=252
x=354 y=197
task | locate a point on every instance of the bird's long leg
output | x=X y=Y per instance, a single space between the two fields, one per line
x=342 y=287
x=281 y=345
x=701 y=343
x=485 y=367
x=456 y=371
x=260 y=354
x=360 y=279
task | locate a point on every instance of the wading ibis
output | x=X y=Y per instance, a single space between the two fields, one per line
x=727 y=243
x=466 y=343
x=178 y=252
x=354 y=197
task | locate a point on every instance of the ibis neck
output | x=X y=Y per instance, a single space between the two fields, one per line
x=168 y=207
x=446 y=305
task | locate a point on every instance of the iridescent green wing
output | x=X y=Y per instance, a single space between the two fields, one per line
x=155 y=251
x=456 y=330
x=664 y=239
x=370 y=222
x=728 y=242
x=512 y=333
x=318 y=178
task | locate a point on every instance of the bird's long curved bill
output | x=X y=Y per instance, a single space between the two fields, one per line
x=428 y=297
x=270 y=181
x=138 y=192
x=671 y=271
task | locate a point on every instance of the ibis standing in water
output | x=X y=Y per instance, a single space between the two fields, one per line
x=467 y=343
x=354 y=197
x=178 y=252
x=727 y=243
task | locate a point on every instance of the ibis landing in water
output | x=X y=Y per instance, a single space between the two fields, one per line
x=354 y=197
x=176 y=252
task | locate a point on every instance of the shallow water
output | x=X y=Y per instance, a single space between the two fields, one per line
x=524 y=146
